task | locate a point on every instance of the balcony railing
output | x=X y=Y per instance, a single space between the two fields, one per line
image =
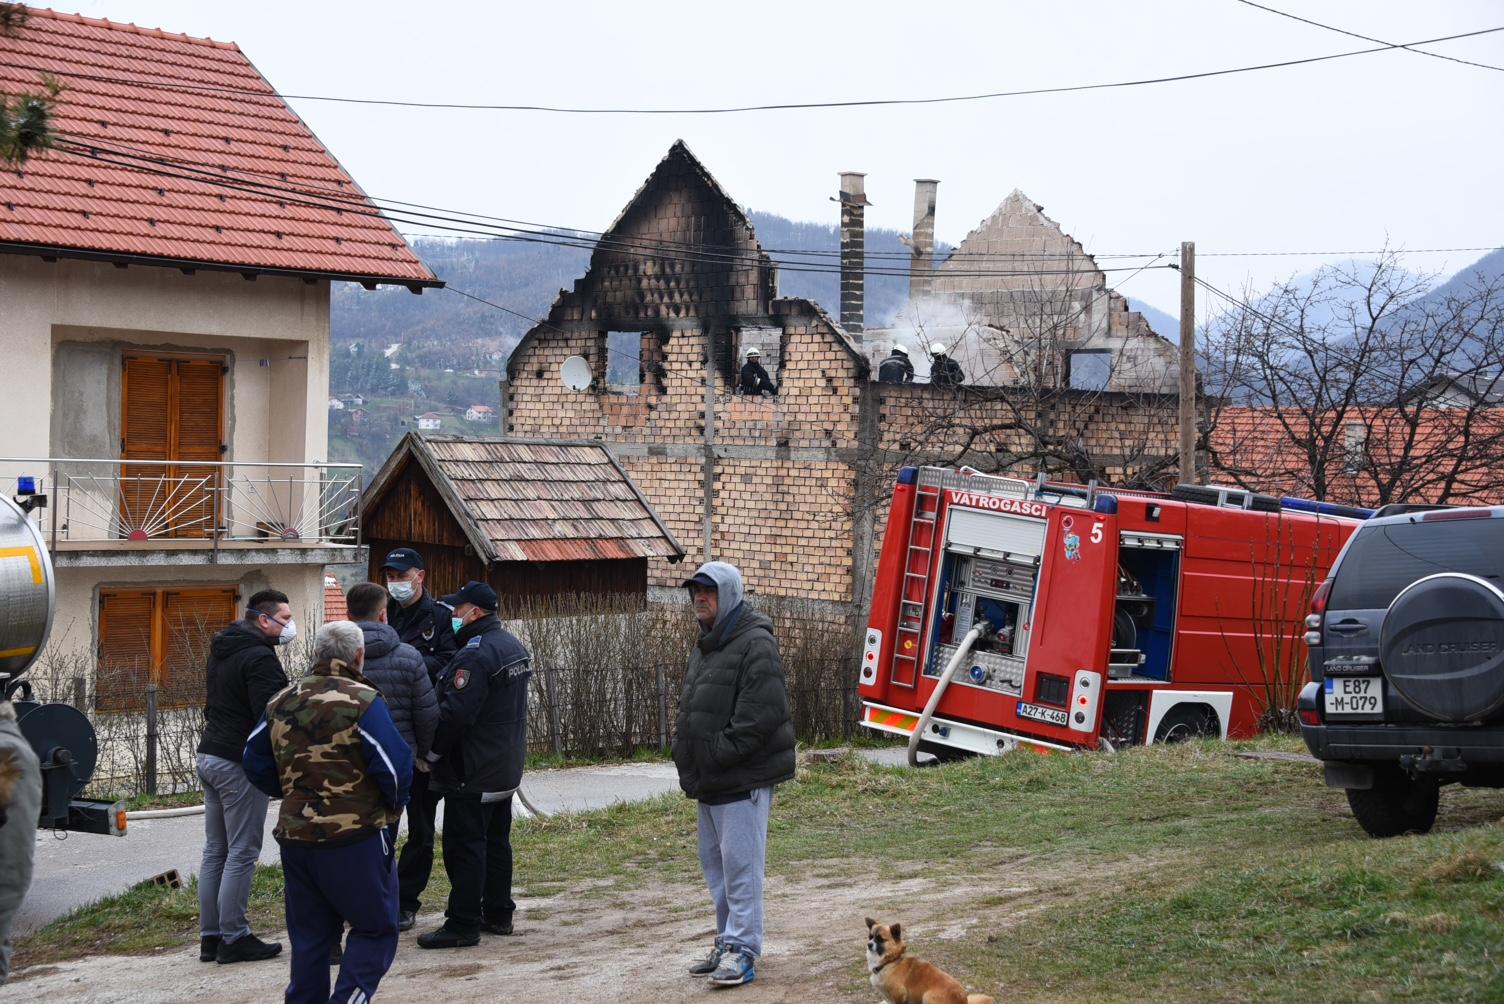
x=211 y=503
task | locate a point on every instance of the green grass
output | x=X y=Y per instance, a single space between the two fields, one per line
x=177 y=800
x=1176 y=873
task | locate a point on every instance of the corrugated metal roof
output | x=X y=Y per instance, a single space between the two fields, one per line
x=546 y=501
x=179 y=129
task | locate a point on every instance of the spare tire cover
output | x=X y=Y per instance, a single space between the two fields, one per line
x=1442 y=646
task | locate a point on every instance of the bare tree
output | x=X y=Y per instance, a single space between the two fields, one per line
x=1360 y=386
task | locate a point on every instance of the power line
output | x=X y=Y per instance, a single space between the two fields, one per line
x=737 y=109
x=1366 y=38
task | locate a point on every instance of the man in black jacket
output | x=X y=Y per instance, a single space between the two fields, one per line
x=733 y=742
x=413 y=613
x=944 y=371
x=755 y=381
x=896 y=368
x=420 y=621
x=476 y=761
x=243 y=674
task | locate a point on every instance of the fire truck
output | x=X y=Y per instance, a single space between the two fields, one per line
x=1007 y=612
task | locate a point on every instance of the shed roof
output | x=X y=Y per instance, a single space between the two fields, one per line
x=175 y=150
x=533 y=499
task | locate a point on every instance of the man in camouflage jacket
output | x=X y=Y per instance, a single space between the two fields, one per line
x=327 y=747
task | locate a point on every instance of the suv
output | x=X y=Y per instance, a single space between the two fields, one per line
x=1406 y=640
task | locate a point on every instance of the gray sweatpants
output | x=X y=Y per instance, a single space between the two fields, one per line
x=733 y=849
x=234 y=822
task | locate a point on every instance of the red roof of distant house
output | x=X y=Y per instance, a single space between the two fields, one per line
x=176 y=148
x=334 y=601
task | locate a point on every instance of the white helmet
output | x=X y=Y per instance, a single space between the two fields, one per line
x=752 y=352
x=900 y=349
x=937 y=348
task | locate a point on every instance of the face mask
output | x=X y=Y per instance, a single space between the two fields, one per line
x=402 y=591
x=289 y=632
x=458 y=623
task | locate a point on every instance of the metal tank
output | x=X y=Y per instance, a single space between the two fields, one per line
x=27 y=594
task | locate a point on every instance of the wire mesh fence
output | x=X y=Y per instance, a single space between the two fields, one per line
x=607 y=678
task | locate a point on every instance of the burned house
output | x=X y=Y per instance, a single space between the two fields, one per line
x=642 y=355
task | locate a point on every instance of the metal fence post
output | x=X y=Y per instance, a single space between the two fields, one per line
x=151 y=739
x=551 y=698
x=662 y=707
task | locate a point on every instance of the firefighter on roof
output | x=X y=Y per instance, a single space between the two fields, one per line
x=754 y=379
x=944 y=371
x=896 y=368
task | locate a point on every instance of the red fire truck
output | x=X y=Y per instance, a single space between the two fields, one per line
x=1063 y=616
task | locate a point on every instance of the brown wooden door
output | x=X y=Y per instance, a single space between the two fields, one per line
x=189 y=619
x=172 y=410
x=127 y=633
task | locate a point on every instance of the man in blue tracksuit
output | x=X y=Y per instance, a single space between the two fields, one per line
x=476 y=762
x=328 y=748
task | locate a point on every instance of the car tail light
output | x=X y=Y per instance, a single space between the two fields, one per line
x=1308 y=716
x=1443 y=514
x=1318 y=608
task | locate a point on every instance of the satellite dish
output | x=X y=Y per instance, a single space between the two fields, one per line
x=575 y=372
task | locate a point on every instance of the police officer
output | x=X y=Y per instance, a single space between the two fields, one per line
x=416 y=616
x=476 y=761
x=421 y=622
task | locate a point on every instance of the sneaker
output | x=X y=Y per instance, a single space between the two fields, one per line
x=497 y=927
x=735 y=969
x=208 y=948
x=710 y=963
x=246 y=949
x=406 y=919
x=448 y=937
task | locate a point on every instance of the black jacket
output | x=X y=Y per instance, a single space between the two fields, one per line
x=481 y=740
x=946 y=372
x=243 y=674
x=396 y=669
x=734 y=732
x=896 y=369
x=755 y=380
x=425 y=626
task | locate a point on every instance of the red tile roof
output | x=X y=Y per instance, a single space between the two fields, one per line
x=334 y=601
x=160 y=136
x=535 y=500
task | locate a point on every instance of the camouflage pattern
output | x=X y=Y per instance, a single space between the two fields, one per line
x=328 y=795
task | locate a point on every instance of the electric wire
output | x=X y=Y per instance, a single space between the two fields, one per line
x=738 y=109
x=1367 y=38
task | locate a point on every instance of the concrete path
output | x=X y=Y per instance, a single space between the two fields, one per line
x=77 y=870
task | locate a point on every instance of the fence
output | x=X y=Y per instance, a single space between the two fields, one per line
x=607 y=675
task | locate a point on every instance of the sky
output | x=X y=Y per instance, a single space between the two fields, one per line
x=1392 y=149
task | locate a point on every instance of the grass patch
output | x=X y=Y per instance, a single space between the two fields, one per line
x=1183 y=873
x=175 y=800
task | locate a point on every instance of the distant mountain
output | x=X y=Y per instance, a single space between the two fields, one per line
x=1164 y=325
x=526 y=276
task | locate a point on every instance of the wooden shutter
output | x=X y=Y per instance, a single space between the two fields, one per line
x=198 y=422
x=190 y=618
x=145 y=434
x=127 y=629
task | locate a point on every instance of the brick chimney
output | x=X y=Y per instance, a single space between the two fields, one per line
x=853 y=251
x=922 y=246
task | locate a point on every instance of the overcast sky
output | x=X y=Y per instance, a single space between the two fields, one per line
x=1352 y=153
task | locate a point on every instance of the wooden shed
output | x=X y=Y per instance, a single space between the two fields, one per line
x=533 y=517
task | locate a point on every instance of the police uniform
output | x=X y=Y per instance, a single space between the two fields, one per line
x=423 y=624
x=476 y=763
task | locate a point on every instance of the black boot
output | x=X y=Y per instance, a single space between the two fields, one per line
x=247 y=949
x=501 y=925
x=406 y=919
x=448 y=937
x=208 y=948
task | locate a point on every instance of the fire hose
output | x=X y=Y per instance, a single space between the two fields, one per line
x=962 y=651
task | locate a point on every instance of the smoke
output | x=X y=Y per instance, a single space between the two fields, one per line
x=954 y=324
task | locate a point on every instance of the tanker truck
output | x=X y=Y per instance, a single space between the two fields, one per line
x=59 y=734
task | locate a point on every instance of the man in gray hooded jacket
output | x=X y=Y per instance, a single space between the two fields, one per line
x=733 y=742
x=20 y=805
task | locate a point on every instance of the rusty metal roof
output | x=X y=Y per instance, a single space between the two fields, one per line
x=536 y=500
x=175 y=150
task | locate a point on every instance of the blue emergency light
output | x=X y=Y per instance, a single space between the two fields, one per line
x=26 y=485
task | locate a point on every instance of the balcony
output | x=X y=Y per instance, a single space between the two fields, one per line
x=108 y=513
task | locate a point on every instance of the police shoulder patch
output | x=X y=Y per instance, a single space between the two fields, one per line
x=473 y=642
x=461 y=679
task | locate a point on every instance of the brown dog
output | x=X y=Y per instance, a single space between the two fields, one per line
x=904 y=979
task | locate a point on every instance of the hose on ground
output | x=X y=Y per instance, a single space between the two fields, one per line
x=962 y=651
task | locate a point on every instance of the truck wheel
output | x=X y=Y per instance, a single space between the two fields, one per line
x=1188 y=721
x=1395 y=804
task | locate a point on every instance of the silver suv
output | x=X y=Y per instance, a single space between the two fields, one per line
x=1406 y=641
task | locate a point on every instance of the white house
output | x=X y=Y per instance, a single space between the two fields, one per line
x=335 y=404
x=480 y=413
x=429 y=422
x=167 y=343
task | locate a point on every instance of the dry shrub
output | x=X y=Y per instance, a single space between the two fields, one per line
x=1469 y=866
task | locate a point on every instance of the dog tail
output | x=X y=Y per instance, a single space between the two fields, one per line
x=978 y=999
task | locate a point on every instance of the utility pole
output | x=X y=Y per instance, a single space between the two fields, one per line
x=1188 y=363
